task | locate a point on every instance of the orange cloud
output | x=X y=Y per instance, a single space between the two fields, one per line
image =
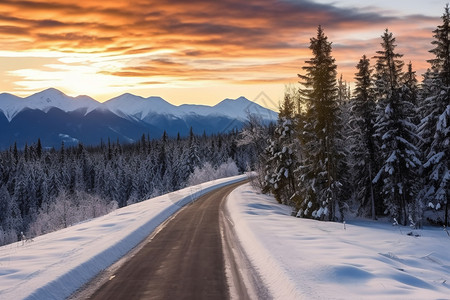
x=234 y=41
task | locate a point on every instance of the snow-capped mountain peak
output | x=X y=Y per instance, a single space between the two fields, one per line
x=9 y=104
x=139 y=107
x=241 y=108
x=50 y=98
x=54 y=98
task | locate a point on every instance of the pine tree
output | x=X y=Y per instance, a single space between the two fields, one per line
x=363 y=146
x=26 y=152
x=318 y=173
x=410 y=80
x=399 y=155
x=15 y=153
x=434 y=127
x=441 y=63
x=109 y=156
x=343 y=90
x=192 y=152
x=10 y=217
x=5 y=207
x=283 y=153
x=143 y=145
x=62 y=154
x=388 y=69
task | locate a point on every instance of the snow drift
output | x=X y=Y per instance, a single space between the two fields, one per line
x=310 y=259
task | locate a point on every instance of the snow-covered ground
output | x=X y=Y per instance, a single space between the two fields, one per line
x=296 y=258
x=54 y=265
x=308 y=259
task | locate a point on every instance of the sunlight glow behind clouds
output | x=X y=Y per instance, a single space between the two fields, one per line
x=197 y=51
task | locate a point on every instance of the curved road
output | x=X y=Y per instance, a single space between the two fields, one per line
x=183 y=261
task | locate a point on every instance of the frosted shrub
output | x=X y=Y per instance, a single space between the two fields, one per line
x=207 y=172
x=66 y=211
x=227 y=169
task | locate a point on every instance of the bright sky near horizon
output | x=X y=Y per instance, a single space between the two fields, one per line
x=197 y=51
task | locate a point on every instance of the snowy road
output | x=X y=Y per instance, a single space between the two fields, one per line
x=184 y=260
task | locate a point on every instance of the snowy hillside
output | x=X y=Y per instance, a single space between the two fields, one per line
x=309 y=259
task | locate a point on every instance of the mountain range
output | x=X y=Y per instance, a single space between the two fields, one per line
x=55 y=117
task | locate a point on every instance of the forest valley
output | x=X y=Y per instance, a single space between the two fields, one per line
x=46 y=190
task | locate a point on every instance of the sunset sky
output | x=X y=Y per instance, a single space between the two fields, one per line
x=196 y=51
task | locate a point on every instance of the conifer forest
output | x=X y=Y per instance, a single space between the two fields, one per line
x=379 y=151
x=42 y=190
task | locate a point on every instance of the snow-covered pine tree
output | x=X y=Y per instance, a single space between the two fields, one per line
x=193 y=152
x=39 y=149
x=410 y=80
x=283 y=153
x=363 y=148
x=190 y=156
x=342 y=144
x=399 y=155
x=441 y=63
x=343 y=90
x=318 y=174
x=434 y=127
x=10 y=219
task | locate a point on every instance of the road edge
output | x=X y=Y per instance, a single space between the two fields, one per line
x=243 y=278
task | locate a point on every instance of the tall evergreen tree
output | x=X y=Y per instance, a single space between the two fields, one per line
x=319 y=182
x=434 y=127
x=343 y=90
x=363 y=146
x=410 y=80
x=388 y=68
x=441 y=63
x=15 y=153
x=282 y=153
x=399 y=155
x=39 y=149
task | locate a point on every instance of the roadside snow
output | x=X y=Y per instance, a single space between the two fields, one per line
x=308 y=259
x=296 y=258
x=55 y=265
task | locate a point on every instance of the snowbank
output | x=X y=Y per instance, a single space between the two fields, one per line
x=308 y=259
x=55 y=265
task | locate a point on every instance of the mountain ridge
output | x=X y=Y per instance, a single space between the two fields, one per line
x=55 y=117
x=11 y=105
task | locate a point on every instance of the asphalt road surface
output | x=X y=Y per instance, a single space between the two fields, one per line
x=182 y=261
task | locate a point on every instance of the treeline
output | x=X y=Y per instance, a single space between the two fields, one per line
x=44 y=190
x=382 y=150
